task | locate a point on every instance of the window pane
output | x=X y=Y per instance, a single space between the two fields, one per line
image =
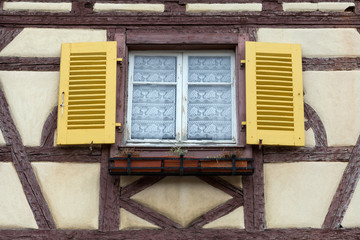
x=209 y=113
x=209 y=69
x=153 y=112
x=154 y=69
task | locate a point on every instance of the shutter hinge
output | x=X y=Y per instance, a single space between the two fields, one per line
x=242 y=63
x=118 y=127
x=243 y=124
x=119 y=59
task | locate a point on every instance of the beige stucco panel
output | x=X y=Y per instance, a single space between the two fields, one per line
x=233 y=180
x=181 y=199
x=223 y=7
x=2 y=140
x=129 y=221
x=72 y=192
x=46 y=42
x=126 y=180
x=320 y=6
x=336 y=99
x=31 y=97
x=15 y=211
x=37 y=6
x=316 y=42
x=235 y=219
x=128 y=7
x=352 y=215
x=299 y=194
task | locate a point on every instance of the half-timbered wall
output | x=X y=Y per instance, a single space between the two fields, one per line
x=295 y=192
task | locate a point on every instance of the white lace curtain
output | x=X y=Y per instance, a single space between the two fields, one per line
x=209 y=105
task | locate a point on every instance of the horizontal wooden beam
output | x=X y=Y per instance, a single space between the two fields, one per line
x=331 y=64
x=306 y=233
x=317 y=154
x=105 y=20
x=29 y=64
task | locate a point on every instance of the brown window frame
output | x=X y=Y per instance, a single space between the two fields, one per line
x=178 y=39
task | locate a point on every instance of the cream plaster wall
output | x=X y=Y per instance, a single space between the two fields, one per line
x=129 y=221
x=31 y=97
x=352 y=215
x=309 y=138
x=72 y=192
x=2 y=140
x=234 y=180
x=235 y=219
x=37 y=6
x=323 y=42
x=320 y=6
x=182 y=199
x=126 y=180
x=15 y=211
x=335 y=97
x=46 y=42
x=123 y=7
x=299 y=194
x=223 y=7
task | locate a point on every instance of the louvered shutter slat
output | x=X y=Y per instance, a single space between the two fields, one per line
x=274 y=94
x=87 y=91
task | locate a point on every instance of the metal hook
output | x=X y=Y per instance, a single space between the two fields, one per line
x=91 y=147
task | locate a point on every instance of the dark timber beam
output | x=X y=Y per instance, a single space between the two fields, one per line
x=345 y=190
x=266 y=18
x=23 y=168
x=294 y=233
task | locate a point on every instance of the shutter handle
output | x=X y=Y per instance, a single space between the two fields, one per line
x=62 y=104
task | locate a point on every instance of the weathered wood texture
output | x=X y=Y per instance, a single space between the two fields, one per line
x=23 y=168
x=254 y=202
x=109 y=215
x=29 y=64
x=345 y=190
x=215 y=234
x=316 y=154
x=64 y=154
x=314 y=122
x=7 y=35
x=331 y=64
x=48 y=131
x=261 y=19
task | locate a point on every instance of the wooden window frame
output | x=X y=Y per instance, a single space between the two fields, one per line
x=140 y=39
x=181 y=99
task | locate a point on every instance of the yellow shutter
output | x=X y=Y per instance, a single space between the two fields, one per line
x=274 y=94
x=87 y=93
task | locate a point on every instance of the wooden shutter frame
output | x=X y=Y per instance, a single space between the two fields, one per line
x=274 y=137
x=67 y=136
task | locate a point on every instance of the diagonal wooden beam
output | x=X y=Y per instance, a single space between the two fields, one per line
x=223 y=185
x=48 y=131
x=217 y=212
x=7 y=35
x=147 y=214
x=317 y=126
x=139 y=185
x=345 y=190
x=23 y=167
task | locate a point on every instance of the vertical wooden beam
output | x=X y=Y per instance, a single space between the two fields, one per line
x=23 y=168
x=109 y=212
x=253 y=188
x=122 y=52
x=345 y=190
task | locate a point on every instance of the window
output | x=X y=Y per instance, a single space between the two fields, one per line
x=181 y=97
